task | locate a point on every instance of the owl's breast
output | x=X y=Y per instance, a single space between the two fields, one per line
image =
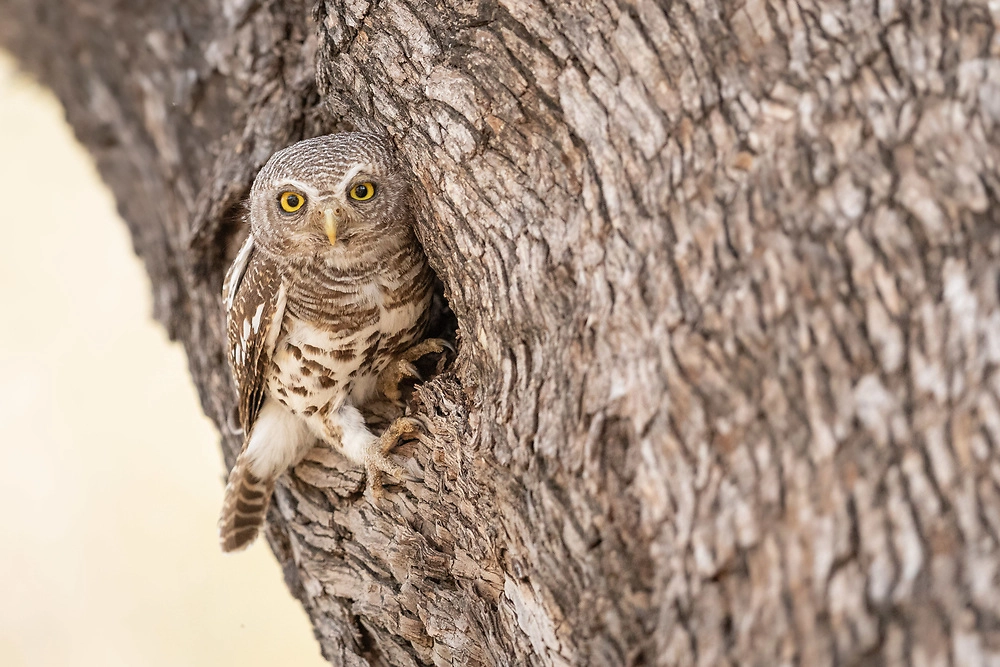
x=321 y=361
x=312 y=369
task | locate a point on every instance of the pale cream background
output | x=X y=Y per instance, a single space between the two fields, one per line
x=110 y=476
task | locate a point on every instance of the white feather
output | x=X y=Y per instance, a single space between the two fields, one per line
x=236 y=273
x=255 y=323
x=279 y=314
x=278 y=440
x=349 y=176
x=358 y=442
x=309 y=190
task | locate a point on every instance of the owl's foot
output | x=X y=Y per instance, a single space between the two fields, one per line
x=402 y=368
x=377 y=459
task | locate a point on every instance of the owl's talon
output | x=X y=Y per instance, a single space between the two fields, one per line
x=425 y=347
x=408 y=370
x=402 y=368
x=378 y=462
x=394 y=374
x=375 y=483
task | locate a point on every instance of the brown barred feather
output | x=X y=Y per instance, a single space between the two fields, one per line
x=244 y=507
x=248 y=356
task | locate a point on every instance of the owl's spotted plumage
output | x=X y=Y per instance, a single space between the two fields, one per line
x=330 y=288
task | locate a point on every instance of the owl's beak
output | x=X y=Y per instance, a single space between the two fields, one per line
x=330 y=222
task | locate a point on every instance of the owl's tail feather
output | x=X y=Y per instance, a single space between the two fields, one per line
x=243 y=507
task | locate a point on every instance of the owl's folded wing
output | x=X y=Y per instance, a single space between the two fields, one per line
x=254 y=298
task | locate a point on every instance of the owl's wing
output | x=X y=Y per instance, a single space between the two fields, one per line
x=254 y=297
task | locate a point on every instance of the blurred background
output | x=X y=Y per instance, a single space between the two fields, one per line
x=110 y=475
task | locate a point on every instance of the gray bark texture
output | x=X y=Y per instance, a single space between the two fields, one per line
x=725 y=281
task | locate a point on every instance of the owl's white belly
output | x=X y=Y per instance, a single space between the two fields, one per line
x=315 y=370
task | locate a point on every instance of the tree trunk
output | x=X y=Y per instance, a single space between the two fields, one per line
x=725 y=277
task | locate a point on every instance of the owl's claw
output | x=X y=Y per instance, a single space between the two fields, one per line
x=402 y=368
x=377 y=461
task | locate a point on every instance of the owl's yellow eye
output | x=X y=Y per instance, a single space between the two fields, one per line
x=291 y=201
x=363 y=191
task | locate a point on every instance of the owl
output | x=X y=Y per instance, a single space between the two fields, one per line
x=328 y=297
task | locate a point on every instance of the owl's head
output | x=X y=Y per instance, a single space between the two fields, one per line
x=330 y=196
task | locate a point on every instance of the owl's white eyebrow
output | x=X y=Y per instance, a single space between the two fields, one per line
x=309 y=190
x=349 y=176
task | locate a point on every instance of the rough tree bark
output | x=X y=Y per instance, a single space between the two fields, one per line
x=725 y=277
